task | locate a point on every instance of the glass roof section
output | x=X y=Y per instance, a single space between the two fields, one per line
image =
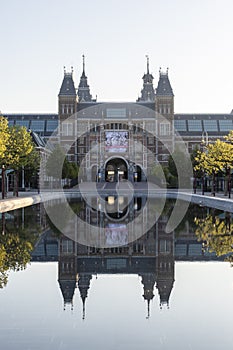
x=225 y=125
x=210 y=125
x=37 y=125
x=180 y=125
x=194 y=125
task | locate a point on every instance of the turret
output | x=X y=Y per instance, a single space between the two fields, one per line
x=67 y=96
x=148 y=281
x=84 y=94
x=164 y=101
x=83 y=286
x=147 y=93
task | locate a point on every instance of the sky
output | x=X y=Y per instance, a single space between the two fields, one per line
x=192 y=38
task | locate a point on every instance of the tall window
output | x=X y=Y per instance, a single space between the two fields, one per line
x=67 y=129
x=164 y=129
x=67 y=247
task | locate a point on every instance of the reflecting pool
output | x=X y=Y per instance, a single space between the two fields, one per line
x=162 y=290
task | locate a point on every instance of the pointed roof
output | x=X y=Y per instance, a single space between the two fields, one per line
x=147 y=93
x=83 y=286
x=164 y=87
x=84 y=94
x=67 y=289
x=164 y=286
x=148 y=281
x=67 y=86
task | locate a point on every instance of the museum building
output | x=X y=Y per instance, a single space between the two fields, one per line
x=122 y=141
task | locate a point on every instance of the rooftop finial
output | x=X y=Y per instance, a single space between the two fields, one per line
x=147 y=62
x=167 y=70
x=83 y=63
x=72 y=69
x=64 y=69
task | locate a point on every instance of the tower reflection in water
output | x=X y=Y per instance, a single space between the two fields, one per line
x=203 y=235
x=151 y=256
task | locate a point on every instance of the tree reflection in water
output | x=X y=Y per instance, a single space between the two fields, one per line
x=17 y=239
x=216 y=232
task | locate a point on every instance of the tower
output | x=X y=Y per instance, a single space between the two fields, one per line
x=165 y=264
x=164 y=108
x=67 y=272
x=164 y=101
x=148 y=281
x=84 y=94
x=147 y=93
x=84 y=280
x=67 y=107
x=67 y=96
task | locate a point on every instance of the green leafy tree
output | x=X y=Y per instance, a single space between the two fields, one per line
x=216 y=157
x=32 y=166
x=19 y=147
x=229 y=137
x=69 y=169
x=4 y=137
x=14 y=254
x=216 y=235
x=56 y=157
x=73 y=170
x=178 y=160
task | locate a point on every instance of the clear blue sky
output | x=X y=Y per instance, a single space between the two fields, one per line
x=192 y=38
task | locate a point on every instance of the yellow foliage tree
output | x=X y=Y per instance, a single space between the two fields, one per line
x=4 y=137
x=216 y=234
x=216 y=157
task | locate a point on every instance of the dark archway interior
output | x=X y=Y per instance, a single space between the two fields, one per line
x=116 y=170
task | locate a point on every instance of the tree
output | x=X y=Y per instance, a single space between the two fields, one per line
x=32 y=166
x=229 y=137
x=4 y=137
x=69 y=169
x=19 y=147
x=216 y=157
x=73 y=170
x=216 y=234
x=179 y=159
x=56 y=157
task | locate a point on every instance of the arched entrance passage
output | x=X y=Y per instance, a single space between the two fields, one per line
x=116 y=170
x=138 y=174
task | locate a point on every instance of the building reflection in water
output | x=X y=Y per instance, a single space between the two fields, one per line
x=152 y=256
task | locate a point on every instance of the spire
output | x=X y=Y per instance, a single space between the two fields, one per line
x=83 y=65
x=84 y=285
x=147 y=93
x=164 y=87
x=148 y=309
x=148 y=281
x=84 y=94
x=83 y=300
x=147 y=58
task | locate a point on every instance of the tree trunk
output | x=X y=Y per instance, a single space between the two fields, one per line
x=3 y=182
x=214 y=185
x=16 y=183
x=195 y=183
x=229 y=183
x=225 y=183
x=203 y=184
